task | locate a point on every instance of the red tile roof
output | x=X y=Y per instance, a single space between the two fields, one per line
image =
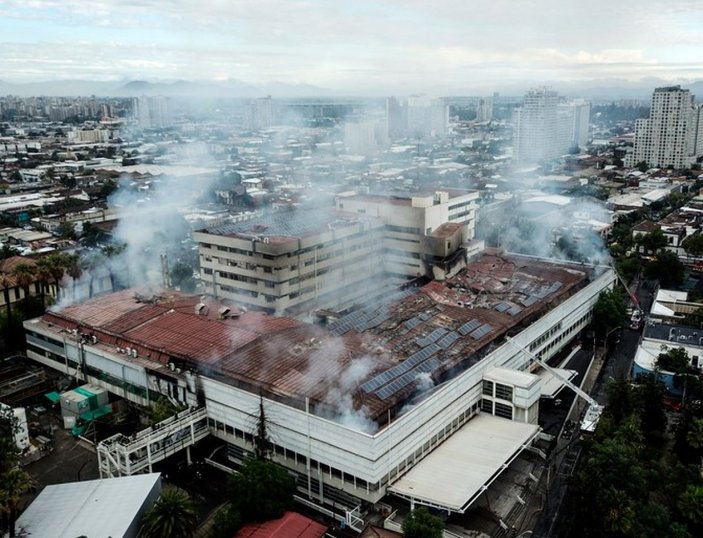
x=291 y=525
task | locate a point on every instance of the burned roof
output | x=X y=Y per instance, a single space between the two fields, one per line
x=374 y=358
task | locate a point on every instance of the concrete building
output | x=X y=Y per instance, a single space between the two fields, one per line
x=259 y=114
x=417 y=117
x=293 y=261
x=425 y=234
x=363 y=407
x=535 y=127
x=305 y=259
x=673 y=134
x=484 y=109
x=153 y=112
x=544 y=128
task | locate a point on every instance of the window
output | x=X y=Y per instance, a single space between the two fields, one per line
x=502 y=410
x=488 y=388
x=504 y=392
x=487 y=406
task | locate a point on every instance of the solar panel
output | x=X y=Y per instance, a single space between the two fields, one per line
x=447 y=340
x=398 y=371
x=515 y=310
x=374 y=322
x=482 y=331
x=425 y=316
x=529 y=301
x=430 y=338
x=469 y=326
x=412 y=322
x=502 y=307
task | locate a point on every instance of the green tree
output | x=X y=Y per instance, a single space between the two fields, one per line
x=162 y=408
x=666 y=268
x=66 y=230
x=628 y=266
x=14 y=481
x=108 y=188
x=90 y=234
x=421 y=524
x=690 y=503
x=652 y=241
x=609 y=312
x=182 y=277
x=262 y=490
x=642 y=166
x=173 y=515
x=6 y=284
x=693 y=245
x=675 y=360
x=24 y=276
x=43 y=274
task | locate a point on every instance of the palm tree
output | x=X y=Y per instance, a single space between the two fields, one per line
x=43 y=273
x=14 y=483
x=57 y=268
x=6 y=284
x=173 y=515
x=24 y=275
x=112 y=251
x=74 y=270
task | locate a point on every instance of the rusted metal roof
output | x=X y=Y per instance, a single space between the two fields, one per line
x=443 y=328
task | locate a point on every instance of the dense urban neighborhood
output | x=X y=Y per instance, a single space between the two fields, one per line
x=462 y=316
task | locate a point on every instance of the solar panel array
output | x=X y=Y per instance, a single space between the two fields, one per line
x=430 y=338
x=469 y=326
x=482 y=331
x=447 y=340
x=514 y=311
x=408 y=364
x=412 y=323
x=370 y=317
x=403 y=381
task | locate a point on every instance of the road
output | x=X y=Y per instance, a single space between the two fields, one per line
x=607 y=364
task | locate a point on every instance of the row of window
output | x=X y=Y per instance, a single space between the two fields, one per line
x=544 y=337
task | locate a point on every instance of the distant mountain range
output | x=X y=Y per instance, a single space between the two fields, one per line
x=606 y=89
x=178 y=88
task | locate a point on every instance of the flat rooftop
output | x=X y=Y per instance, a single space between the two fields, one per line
x=454 y=474
x=81 y=508
x=374 y=358
x=284 y=225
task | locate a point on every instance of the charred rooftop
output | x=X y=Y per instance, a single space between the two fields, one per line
x=369 y=362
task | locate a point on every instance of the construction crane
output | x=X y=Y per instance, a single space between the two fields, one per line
x=594 y=411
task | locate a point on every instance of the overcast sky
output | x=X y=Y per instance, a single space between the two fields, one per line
x=355 y=45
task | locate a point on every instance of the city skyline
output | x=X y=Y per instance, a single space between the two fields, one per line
x=368 y=46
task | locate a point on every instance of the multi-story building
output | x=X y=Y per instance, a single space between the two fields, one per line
x=484 y=109
x=360 y=408
x=673 y=134
x=424 y=234
x=535 y=127
x=417 y=117
x=293 y=261
x=259 y=114
x=544 y=128
x=304 y=259
x=153 y=112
